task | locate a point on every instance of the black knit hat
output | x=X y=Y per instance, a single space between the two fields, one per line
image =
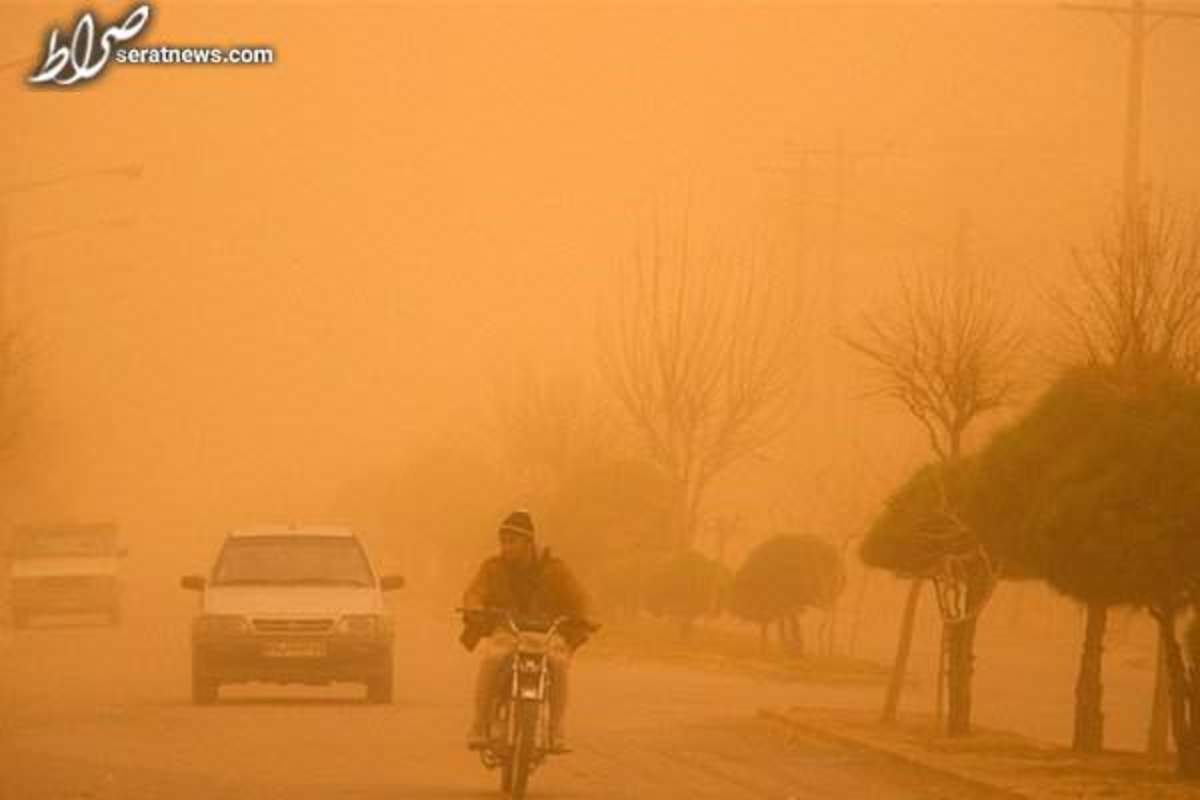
x=518 y=523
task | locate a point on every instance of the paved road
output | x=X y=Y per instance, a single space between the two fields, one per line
x=91 y=712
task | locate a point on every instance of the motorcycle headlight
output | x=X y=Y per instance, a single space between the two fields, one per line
x=221 y=625
x=362 y=625
x=529 y=664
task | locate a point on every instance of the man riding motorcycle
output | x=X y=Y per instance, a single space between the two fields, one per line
x=527 y=583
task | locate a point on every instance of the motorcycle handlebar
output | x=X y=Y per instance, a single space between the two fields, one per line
x=496 y=614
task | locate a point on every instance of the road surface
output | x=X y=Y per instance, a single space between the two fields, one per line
x=99 y=713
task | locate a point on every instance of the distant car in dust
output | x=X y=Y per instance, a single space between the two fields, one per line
x=65 y=569
x=292 y=605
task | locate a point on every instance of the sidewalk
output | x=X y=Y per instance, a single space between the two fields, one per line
x=1002 y=762
x=718 y=650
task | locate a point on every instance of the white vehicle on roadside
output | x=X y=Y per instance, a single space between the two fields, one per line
x=65 y=569
x=292 y=605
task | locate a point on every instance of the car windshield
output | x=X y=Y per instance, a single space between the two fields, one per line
x=293 y=560
x=65 y=542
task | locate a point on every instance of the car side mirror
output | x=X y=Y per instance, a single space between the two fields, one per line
x=193 y=582
x=390 y=582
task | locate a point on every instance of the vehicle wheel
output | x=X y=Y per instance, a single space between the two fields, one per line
x=526 y=737
x=379 y=685
x=506 y=772
x=204 y=689
x=499 y=721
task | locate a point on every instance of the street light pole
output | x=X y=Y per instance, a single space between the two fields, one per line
x=1139 y=21
x=131 y=171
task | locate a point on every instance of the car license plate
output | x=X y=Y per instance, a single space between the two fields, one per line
x=294 y=649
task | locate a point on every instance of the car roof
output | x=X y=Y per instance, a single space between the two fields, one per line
x=258 y=531
x=68 y=529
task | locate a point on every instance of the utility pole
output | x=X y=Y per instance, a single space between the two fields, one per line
x=3 y=263
x=1138 y=20
x=844 y=161
x=131 y=171
x=725 y=527
x=796 y=179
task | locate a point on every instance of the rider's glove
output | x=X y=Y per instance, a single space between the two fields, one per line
x=470 y=636
x=574 y=635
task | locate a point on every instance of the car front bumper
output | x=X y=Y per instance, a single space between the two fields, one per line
x=65 y=595
x=312 y=660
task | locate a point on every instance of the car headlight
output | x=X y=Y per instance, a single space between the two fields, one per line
x=363 y=625
x=220 y=625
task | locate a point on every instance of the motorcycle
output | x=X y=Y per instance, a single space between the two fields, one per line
x=519 y=725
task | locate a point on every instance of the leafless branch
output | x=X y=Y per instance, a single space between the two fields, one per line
x=946 y=352
x=1135 y=308
x=701 y=351
x=550 y=422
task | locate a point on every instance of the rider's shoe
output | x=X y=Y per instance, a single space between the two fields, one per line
x=558 y=745
x=476 y=739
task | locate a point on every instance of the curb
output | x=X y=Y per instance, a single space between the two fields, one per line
x=747 y=666
x=893 y=754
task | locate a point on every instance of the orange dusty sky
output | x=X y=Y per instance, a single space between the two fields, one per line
x=327 y=260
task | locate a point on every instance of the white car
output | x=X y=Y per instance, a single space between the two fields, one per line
x=292 y=605
x=66 y=569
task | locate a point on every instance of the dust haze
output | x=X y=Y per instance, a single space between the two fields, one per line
x=391 y=282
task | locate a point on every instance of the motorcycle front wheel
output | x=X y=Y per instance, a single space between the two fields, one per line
x=500 y=714
x=521 y=759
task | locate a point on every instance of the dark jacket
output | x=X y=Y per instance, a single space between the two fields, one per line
x=546 y=589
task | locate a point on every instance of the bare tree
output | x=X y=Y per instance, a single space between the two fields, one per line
x=701 y=351
x=1136 y=307
x=946 y=351
x=1134 y=311
x=548 y=422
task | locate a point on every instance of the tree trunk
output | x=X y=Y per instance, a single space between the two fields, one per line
x=1089 y=690
x=962 y=671
x=1156 y=740
x=797 y=636
x=1187 y=743
x=828 y=630
x=943 y=671
x=786 y=640
x=891 y=701
x=715 y=600
x=858 y=606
